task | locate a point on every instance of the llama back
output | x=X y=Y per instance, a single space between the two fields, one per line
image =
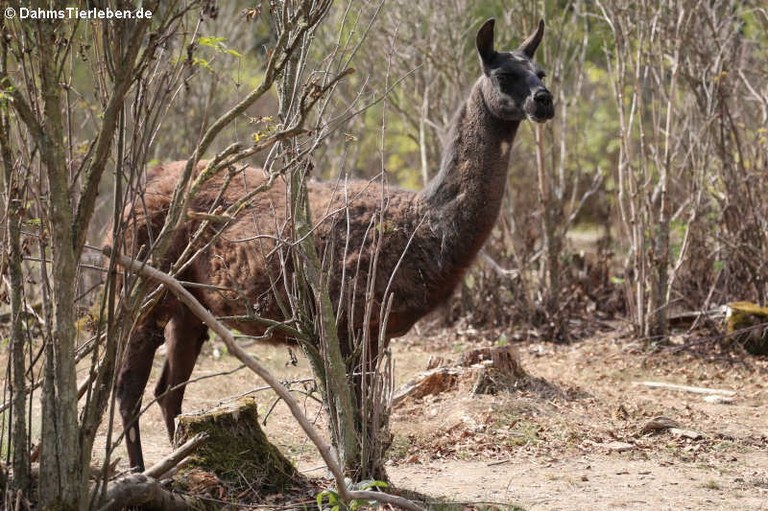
x=242 y=266
x=143 y=219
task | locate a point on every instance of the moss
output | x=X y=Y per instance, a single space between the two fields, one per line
x=237 y=451
x=747 y=324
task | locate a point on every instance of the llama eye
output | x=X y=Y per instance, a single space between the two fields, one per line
x=541 y=75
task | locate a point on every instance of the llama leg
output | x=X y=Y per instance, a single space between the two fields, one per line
x=185 y=337
x=132 y=379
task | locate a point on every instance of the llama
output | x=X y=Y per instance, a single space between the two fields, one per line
x=427 y=239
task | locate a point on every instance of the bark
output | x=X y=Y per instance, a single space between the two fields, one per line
x=18 y=387
x=551 y=219
x=236 y=451
x=339 y=393
x=61 y=475
x=657 y=311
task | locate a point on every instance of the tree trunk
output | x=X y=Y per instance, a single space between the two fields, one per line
x=60 y=449
x=327 y=360
x=61 y=475
x=551 y=220
x=18 y=390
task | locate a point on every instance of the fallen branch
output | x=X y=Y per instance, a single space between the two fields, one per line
x=434 y=381
x=164 y=465
x=685 y=388
x=185 y=297
x=139 y=490
x=145 y=490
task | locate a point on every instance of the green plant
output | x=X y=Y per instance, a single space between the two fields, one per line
x=330 y=500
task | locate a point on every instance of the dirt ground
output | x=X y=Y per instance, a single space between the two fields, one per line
x=579 y=440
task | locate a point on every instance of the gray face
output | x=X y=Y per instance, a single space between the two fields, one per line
x=512 y=83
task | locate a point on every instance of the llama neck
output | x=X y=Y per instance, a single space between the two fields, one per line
x=463 y=200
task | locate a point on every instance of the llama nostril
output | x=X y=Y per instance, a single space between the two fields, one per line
x=543 y=97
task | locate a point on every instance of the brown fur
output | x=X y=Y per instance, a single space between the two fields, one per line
x=427 y=239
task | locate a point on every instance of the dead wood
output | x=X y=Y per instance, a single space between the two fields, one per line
x=493 y=370
x=659 y=424
x=488 y=370
x=145 y=490
x=139 y=490
x=177 y=456
x=438 y=361
x=434 y=381
x=685 y=388
x=717 y=399
x=689 y=319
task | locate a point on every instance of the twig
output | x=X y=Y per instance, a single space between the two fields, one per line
x=500 y=270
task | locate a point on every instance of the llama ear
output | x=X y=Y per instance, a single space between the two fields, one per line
x=529 y=45
x=484 y=42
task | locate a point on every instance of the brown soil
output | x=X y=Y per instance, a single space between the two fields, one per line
x=573 y=442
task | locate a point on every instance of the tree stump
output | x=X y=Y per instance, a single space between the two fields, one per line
x=747 y=324
x=493 y=370
x=483 y=370
x=236 y=456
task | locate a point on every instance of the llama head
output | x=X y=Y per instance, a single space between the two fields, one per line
x=512 y=82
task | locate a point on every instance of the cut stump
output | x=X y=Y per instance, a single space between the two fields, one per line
x=236 y=456
x=493 y=370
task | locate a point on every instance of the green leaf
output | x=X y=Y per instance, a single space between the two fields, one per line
x=211 y=41
x=367 y=485
x=196 y=61
x=218 y=44
x=333 y=500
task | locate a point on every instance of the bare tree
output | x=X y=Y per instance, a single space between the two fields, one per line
x=643 y=36
x=675 y=69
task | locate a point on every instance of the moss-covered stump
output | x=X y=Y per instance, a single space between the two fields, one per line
x=747 y=324
x=236 y=458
